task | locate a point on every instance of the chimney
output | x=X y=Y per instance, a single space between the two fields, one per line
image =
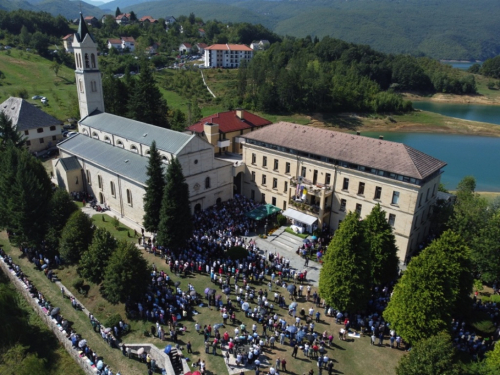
x=380 y=137
x=240 y=113
x=358 y=133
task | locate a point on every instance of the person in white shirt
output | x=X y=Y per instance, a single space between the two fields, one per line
x=311 y=312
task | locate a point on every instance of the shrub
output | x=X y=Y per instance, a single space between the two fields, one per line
x=237 y=253
x=282 y=220
x=115 y=222
x=78 y=284
x=112 y=320
x=482 y=323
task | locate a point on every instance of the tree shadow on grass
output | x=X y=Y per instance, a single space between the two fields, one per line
x=341 y=121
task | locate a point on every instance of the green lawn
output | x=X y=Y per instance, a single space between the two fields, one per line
x=301 y=235
x=27 y=70
x=355 y=357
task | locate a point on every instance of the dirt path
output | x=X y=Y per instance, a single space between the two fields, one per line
x=457 y=99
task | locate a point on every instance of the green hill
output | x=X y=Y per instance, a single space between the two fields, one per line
x=68 y=9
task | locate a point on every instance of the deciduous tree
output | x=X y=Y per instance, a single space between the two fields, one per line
x=127 y=274
x=344 y=280
x=433 y=356
x=154 y=190
x=61 y=206
x=176 y=225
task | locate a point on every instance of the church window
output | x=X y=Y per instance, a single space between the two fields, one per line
x=93 y=86
x=89 y=180
x=164 y=159
x=95 y=135
x=87 y=63
x=80 y=83
x=76 y=180
x=112 y=186
x=92 y=61
x=133 y=148
x=147 y=152
x=207 y=183
x=99 y=181
x=119 y=143
x=107 y=140
x=129 y=197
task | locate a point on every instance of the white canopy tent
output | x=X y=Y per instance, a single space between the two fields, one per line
x=300 y=216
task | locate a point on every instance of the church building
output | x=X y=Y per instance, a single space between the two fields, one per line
x=109 y=156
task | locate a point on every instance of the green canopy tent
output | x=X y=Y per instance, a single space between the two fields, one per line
x=262 y=212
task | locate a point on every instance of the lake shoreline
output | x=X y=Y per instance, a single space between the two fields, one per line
x=453 y=99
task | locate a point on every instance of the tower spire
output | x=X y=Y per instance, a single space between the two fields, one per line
x=83 y=30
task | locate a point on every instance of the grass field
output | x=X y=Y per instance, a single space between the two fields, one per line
x=354 y=357
x=26 y=70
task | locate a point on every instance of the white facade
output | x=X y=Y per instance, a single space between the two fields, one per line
x=227 y=55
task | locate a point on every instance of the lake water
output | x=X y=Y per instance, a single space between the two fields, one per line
x=465 y=155
x=462 y=65
x=474 y=112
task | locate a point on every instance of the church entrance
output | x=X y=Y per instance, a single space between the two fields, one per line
x=197 y=208
x=237 y=183
x=101 y=198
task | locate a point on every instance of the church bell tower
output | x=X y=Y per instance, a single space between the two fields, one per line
x=88 y=76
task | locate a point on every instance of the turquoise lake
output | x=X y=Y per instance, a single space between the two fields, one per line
x=465 y=155
x=462 y=65
x=473 y=112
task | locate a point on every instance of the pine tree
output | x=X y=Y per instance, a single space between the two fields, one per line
x=127 y=274
x=76 y=237
x=25 y=191
x=344 y=280
x=154 y=190
x=117 y=11
x=147 y=103
x=176 y=225
x=384 y=253
x=61 y=207
x=95 y=260
x=116 y=94
x=9 y=135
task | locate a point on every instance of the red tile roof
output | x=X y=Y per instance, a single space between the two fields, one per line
x=69 y=36
x=202 y=45
x=187 y=45
x=230 y=122
x=129 y=39
x=229 y=47
x=115 y=41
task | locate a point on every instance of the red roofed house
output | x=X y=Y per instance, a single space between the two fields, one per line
x=227 y=55
x=91 y=21
x=185 y=48
x=223 y=130
x=201 y=32
x=128 y=42
x=123 y=19
x=148 y=19
x=67 y=43
x=201 y=47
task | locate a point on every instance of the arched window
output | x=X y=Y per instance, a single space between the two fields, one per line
x=87 y=62
x=89 y=180
x=95 y=135
x=93 y=86
x=129 y=197
x=119 y=143
x=133 y=148
x=112 y=186
x=164 y=159
x=207 y=183
x=78 y=60
x=107 y=140
x=147 y=152
x=92 y=61
x=99 y=181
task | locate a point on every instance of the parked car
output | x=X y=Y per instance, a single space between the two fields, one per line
x=36 y=97
x=71 y=134
x=44 y=100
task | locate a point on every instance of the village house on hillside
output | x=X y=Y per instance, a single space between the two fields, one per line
x=185 y=48
x=40 y=129
x=148 y=19
x=121 y=44
x=227 y=55
x=123 y=19
x=224 y=130
x=67 y=43
x=92 y=21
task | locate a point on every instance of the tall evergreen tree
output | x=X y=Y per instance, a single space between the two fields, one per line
x=176 y=225
x=127 y=274
x=76 y=237
x=154 y=190
x=383 y=249
x=95 y=260
x=117 y=11
x=147 y=103
x=435 y=284
x=25 y=191
x=344 y=280
x=116 y=94
x=9 y=135
x=61 y=207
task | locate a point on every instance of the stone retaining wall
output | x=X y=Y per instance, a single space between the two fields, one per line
x=19 y=285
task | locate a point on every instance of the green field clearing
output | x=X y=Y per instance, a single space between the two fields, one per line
x=26 y=70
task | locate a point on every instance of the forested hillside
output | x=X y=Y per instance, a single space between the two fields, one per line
x=66 y=8
x=444 y=29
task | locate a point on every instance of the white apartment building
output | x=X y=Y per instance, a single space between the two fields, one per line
x=227 y=55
